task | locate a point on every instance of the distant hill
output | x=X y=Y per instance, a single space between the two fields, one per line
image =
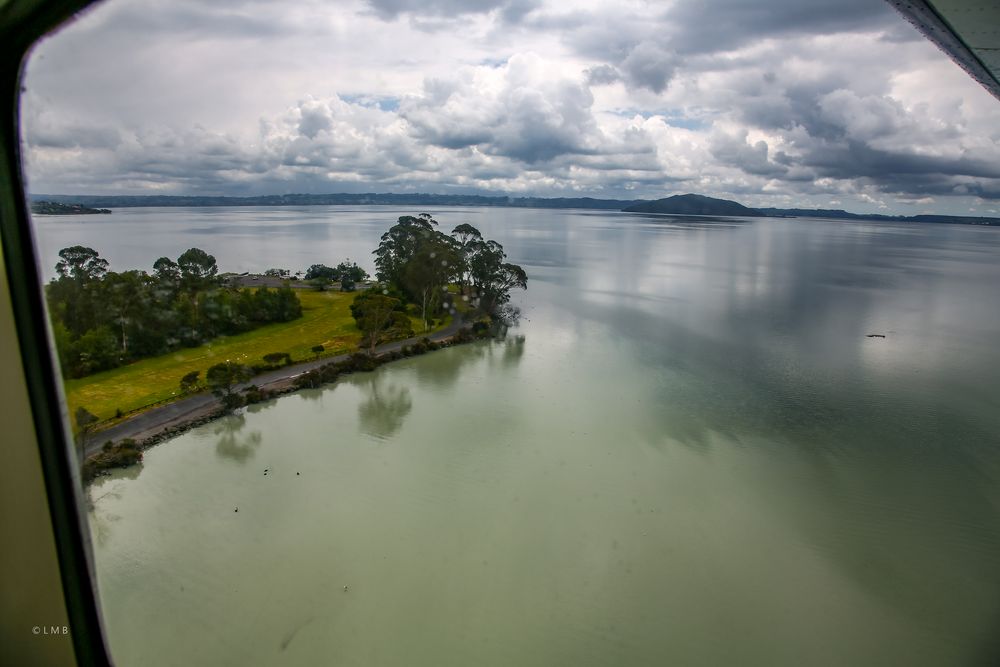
x=341 y=199
x=700 y=205
x=839 y=214
x=689 y=204
x=55 y=208
x=693 y=205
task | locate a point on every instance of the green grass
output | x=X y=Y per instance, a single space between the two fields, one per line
x=326 y=320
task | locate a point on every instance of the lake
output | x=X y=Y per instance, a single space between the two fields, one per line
x=688 y=453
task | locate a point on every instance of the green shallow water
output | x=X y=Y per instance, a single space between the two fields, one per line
x=688 y=453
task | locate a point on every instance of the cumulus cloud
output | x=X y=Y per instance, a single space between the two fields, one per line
x=779 y=103
x=522 y=110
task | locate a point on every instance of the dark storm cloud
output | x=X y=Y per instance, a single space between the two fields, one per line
x=898 y=171
x=73 y=136
x=650 y=46
x=728 y=24
x=736 y=151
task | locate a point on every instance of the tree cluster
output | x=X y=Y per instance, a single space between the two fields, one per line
x=347 y=273
x=420 y=262
x=102 y=319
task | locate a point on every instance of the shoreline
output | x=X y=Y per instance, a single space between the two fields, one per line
x=161 y=423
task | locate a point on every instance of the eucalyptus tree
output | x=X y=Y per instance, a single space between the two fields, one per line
x=493 y=277
x=398 y=246
x=127 y=294
x=74 y=295
x=426 y=276
x=467 y=237
x=198 y=272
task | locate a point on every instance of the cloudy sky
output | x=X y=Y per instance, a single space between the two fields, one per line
x=783 y=103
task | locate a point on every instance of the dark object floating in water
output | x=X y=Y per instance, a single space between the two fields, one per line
x=875 y=336
x=237 y=509
x=296 y=473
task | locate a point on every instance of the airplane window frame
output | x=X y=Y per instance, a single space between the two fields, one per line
x=22 y=24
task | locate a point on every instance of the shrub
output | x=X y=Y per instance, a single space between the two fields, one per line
x=277 y=359
x=254 y=394
x=126 y=453
x=361 y=362
x=189 y=382
x=232 y=401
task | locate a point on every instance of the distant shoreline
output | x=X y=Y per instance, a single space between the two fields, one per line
x=486 y=201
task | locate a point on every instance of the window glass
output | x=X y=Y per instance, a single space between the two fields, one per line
x=503 y=332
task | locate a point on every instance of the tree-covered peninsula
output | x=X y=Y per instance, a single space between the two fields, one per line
x=57 y=208
x=420 y=266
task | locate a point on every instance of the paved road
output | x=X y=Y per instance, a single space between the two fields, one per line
x=156 y=419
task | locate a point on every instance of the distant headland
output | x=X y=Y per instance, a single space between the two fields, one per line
x=686 y=204
x=56 y=208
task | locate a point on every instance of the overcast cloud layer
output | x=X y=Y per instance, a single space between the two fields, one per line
x=782 y=103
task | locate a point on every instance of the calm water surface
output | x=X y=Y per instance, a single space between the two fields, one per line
x=689 y=453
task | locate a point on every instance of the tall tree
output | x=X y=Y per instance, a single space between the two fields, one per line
x=167 y=271
x=74 y=295
x=197 y=270
x=197 y=274
x=429 y=271
x=493 y=277
x=468 y=237
x=126 y=294
x=398 y=245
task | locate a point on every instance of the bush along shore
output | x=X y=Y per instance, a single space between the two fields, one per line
x=128 y=452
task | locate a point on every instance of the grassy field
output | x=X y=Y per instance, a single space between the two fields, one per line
x=326 y=320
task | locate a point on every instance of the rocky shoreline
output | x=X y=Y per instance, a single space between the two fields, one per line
x=128 y=451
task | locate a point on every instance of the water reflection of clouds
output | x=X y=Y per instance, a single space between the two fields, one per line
x=773 y=314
